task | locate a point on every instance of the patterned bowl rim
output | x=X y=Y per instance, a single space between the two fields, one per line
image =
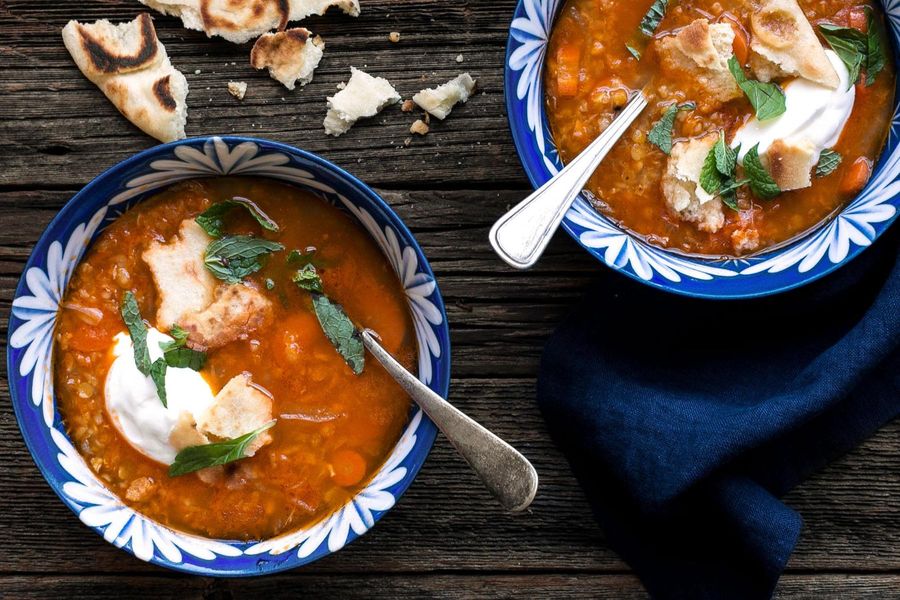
x=419 y=433
x=840 y=237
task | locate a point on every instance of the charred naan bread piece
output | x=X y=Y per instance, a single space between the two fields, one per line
x=784 y=44
x=239 y=408
x=240 y=21
x=681 y=184
x=790 y=163
x=701 y=51
x=236 y=311
x=129 y=64
x=291 y=56
x=183 y=284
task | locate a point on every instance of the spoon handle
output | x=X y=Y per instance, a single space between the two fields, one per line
x=506 y=473
x=520 y=236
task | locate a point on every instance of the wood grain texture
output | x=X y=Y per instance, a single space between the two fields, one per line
x=445 y=538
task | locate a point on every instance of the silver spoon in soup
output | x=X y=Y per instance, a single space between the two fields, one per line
x=520 y=236
x=504 y=471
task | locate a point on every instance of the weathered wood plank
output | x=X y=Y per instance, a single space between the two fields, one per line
x=439 y=585
x=55 y=118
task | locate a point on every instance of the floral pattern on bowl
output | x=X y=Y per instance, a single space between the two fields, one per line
x=807 y=258
x=43 y=285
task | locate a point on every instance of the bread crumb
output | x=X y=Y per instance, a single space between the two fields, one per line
x=363 y=96
x=407 y=106
x=419 y=127
x=459 y=58
x=439 y=101
x=394 y=36
x=407 y=141
x=140 y=489
x=197 y=71
x=237 y=89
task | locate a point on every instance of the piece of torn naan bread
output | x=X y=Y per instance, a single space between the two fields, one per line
x=240 y=21
x=290 y=56
x=130 y=65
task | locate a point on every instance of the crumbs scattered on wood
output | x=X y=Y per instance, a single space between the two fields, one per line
x=407 y=106
x=419 y=127
x=394 y=36
x=237 y=89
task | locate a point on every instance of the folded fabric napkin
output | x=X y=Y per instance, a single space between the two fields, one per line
x=685 y=420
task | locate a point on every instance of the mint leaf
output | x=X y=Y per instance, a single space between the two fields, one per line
x=158 y=375
x=180 y=338
x=660 y=134
x=828 y=162
x=131 y=314
x=653 y=17
x=710 y=178
x=212 y=219
x=232 y=258
x=875 y=56
x=185 y=358
x=340 y=331
x=761 y=183
x=177 y=354
x=194 y=458
x=767 y=98
x=308 y=279
x=726 y=158
x=633 y=51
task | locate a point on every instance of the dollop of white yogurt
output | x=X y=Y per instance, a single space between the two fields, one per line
x=813 y=112
x=135 y=407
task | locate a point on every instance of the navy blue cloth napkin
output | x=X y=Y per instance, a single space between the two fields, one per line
x=685 y=420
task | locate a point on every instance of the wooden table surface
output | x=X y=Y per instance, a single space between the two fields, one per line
x=445 y=537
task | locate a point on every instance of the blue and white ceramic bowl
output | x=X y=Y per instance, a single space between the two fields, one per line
x=814 y=255
x=44 y=282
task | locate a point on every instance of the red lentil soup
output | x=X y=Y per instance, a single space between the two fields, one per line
x=333 y=429
x=590 y=74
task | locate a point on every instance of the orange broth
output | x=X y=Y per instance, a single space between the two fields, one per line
x=590 y=74
x=334 y=429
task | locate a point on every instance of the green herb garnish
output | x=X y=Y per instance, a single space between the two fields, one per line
x=761 y=183
x=232 y=258
x=660 y=134
x=828 y=162
x=653 y=17
x=270 y=284
x=719 y=169
x=131 y=314
x=194 y=458
x=340 y=331
x=177 y=354
x=308 y=279
x=212 y=219
x=767 y=98
x=158 y=375
x=858 y=50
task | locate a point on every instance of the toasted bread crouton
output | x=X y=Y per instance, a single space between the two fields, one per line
x=362 y=96
x=183 y=284
x=184 y=434
x=701 y=51
x=784 y=43
x=130 y=66
x=681 y=184
x=236 y=311
x=790 y=163
x=238 y=89
x=290 y=56
x=238 y=408
x=440 y=101
x=240 y=21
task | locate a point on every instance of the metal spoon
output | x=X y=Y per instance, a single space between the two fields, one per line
x=506 y=473
x=521 y=235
